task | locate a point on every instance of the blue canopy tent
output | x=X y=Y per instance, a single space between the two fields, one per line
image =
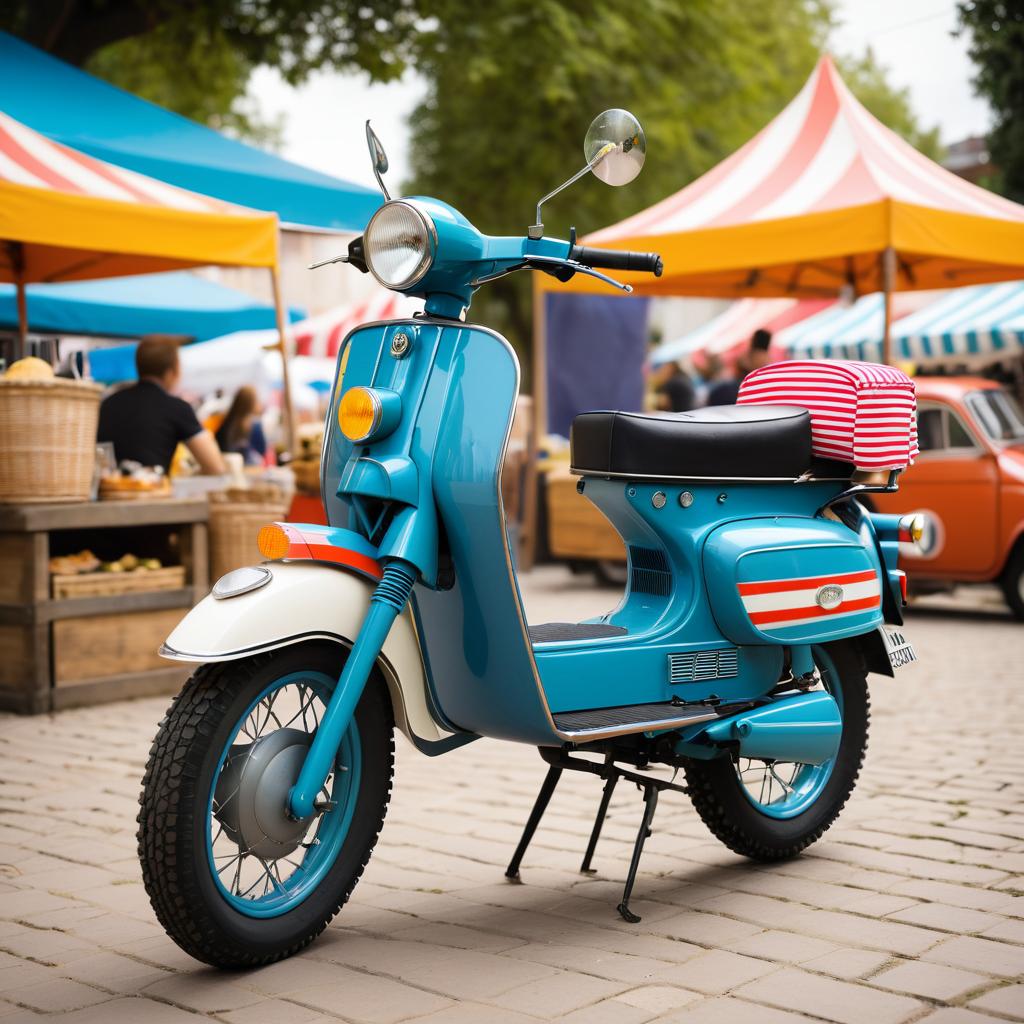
x=94 y=117
x=983 y=323
x=129 y=307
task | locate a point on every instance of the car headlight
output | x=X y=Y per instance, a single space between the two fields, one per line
x=399 y=244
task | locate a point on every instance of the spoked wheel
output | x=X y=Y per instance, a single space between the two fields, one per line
x=769 y=810
x=233 y=879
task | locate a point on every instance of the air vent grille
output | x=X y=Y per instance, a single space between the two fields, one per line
x=700 y=666
x=649 y=571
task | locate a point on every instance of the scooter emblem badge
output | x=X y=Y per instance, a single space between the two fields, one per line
x=829 y=596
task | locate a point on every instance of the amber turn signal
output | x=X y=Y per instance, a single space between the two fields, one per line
x=273 y=542
x=359 y=413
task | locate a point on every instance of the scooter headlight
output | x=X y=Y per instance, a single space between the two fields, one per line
x=399 y=244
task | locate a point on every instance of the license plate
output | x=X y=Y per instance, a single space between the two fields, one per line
x=898 y=647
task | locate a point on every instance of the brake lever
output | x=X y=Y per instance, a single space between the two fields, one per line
x=325 y=263
x=355 y=256
x=554 y=263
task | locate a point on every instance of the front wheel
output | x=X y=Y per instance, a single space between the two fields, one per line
x=1012 y=582
x=770 y=810
x=232 y=878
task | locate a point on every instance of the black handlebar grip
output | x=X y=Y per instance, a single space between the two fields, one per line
x=617 y=259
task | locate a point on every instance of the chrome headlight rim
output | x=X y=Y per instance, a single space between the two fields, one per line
x=426 y=260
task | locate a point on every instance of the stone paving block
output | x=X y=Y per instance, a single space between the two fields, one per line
x=457 y=937
x=57 y=995
x=469 y=1013
x=661 y=999
x=1007 y=931
x=368 y=998
x=598 y=962
x=953 y=895
x=24 y=974
x=130 y=1011
x=728 y=1010
x=784 y=947
x=273 y=1011
x=611 y=1011
x=206 y=992
x=956 y=1015
x=950 y=919
x=112 y=971
x=933 y=981
x=717 y=971
x=557 y=995
x=984 y=955
x=1008 y=1001
x=837 y=1001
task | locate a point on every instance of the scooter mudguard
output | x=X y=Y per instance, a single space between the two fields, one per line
x=307 y=600
x=790 y=580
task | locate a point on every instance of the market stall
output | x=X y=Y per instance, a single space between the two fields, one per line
x=67 y=216
x=824 y=201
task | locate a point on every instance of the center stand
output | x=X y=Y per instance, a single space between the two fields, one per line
x=559 y=760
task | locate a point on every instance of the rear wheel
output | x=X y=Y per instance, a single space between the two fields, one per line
x=770 y=810
x=232 y=878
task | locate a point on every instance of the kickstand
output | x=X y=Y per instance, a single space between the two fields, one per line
x=602 y=813
x=540 y=805
x=650 y=805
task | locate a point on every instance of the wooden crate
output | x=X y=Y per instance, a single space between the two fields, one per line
x=95 y=647
x=106 y=584
x=577 y=529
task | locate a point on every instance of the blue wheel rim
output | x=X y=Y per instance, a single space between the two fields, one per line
x=288 y=885
x=783 y=791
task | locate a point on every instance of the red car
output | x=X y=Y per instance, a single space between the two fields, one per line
x=969 y=481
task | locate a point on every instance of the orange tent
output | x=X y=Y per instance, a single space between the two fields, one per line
x=824 y=197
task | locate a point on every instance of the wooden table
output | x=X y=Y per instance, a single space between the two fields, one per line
x=57 y=653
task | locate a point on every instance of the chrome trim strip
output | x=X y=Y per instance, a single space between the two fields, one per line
x=733 y=479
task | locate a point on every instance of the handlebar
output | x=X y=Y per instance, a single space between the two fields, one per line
x=617 y=259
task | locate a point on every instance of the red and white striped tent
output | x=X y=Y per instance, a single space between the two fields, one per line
x=68 y=216
x=322 y=335
x=824 y=197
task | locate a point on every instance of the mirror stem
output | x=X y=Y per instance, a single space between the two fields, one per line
x=536 y=230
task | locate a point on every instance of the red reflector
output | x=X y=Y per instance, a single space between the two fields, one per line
x=903 y=586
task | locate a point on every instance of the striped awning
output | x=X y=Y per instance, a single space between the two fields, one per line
x=847 y=332
x=322 y=335
x=733 y=327
x=978 y=324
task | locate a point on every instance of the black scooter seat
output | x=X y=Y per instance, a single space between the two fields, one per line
x=730 y=441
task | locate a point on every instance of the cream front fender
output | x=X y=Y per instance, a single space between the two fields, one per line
x=309 y=601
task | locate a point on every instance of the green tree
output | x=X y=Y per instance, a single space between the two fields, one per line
x=996 y=30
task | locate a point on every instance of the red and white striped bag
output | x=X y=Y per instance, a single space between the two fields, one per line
x=861 y=413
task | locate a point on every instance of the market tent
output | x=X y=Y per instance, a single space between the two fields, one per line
x=733 y=327
x=179 y=303
x=323 y=334
x=846 y=331
x=824 y=198
x=970 y=325
x=94 y=117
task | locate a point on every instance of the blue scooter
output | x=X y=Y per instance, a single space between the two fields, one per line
x=759 y=596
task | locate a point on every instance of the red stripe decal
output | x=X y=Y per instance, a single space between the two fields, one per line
x=343 y=556
x=781 y=586
x=814 y=612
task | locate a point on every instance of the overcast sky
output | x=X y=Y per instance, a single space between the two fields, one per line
x=912 y=38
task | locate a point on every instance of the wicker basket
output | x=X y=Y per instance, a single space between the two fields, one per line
x=107 y=584
x=47 y=439
x=235 y=519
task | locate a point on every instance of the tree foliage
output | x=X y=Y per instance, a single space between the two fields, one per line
x=996 y=29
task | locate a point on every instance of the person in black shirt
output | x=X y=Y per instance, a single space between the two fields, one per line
x=146 y=422
x=676 y=392
x=725 y=392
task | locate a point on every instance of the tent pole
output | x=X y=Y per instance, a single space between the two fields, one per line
x=282 y=346
x=528 y=534
x=22 y=342
x=888 y=285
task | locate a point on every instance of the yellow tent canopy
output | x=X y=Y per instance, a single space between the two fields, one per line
x=66 y=216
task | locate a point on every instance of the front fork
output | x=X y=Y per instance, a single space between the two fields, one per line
x=386 y=604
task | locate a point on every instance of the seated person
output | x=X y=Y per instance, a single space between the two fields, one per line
x=145 y=421
x=241 y=430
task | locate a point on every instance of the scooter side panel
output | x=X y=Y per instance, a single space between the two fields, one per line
x=473 y=635
x=791 y=581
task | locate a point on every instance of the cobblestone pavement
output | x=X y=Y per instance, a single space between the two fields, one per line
x=910 y=909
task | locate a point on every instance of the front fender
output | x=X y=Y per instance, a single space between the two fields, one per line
x=310 y=601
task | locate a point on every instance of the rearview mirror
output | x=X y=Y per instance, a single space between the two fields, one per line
x=378 y=158
x=615 y=147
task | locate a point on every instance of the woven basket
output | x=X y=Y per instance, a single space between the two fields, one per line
x=47 y=439
x=107 y=584
x=235 y=520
